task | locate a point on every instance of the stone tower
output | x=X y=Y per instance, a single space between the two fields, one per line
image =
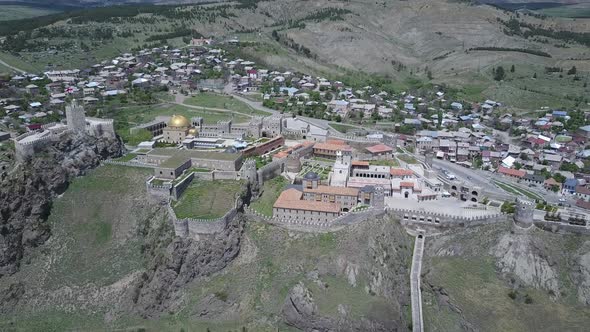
x=248 y=171
x=293 y=163
x=523 y=214
x=379 y=198
x=428 y=155
x=76 y=117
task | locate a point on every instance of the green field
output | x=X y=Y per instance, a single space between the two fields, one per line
x=517 y=190
x=270 y=192
x=384 y=162
x=207 y=199
x=93 y=220
x=15 y=12
x=407 y=158
x=342 y=127
x=580 y=10
x=213 y=100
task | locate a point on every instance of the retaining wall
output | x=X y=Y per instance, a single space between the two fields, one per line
x=562 y=227
x=181 y=186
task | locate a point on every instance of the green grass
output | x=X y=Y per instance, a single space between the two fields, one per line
x=127 y=157
x=92 y=219
x=270 y=192
x=342 y=127
x=475 y=287
x=407 y=158
x=574 y=11
x=213 y=100
x=207 y=199
x=15 y=12
x=384 y=162
x=517 y=190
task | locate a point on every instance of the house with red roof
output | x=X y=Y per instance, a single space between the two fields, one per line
x=380 y=151
x=515 y=173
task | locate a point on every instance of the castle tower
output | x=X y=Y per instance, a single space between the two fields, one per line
x=293 y=163
x=248 y=171
x=523 y=214
x=76 y=117
x=428 y=155
x=379 y=198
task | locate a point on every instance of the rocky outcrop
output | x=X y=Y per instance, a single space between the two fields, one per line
x=300 y=311
x=180 y=262
x=528 y=258
x=27 y=192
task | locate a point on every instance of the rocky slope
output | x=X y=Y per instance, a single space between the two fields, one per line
x=26 y=193
x=492 y=268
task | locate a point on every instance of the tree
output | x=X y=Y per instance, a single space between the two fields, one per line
x=499 y=73
x=512 y=69
x=572 y=71
x=559 y=178
x=439 y=118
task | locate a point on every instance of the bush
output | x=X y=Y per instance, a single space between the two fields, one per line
x=512 y=294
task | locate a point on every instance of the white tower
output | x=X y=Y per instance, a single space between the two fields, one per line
x=76 y=117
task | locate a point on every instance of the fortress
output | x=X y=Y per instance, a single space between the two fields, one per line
x=27 y=144
x=177 y=128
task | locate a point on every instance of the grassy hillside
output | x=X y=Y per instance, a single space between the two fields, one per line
x=16 y=12
x=415 y=43
x=468 y=283
x=82 y=278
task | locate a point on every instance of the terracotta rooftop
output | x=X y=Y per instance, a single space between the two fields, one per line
x=292 y=199
x=360 y=163
x=336 y=142
x=582 y=190
x=405 y=184
x=511 y=171
x=400 y=172
x=332 y=147
x=329 y=190
x=379 y=148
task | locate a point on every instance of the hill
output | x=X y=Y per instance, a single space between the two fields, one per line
x=414 y=42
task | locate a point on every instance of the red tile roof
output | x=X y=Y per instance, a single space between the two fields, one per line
x=405 y=184
x=329 y=190
x=360 y=163
x=400 y=172
x=379 y=148
x=511 y=171
x=292 y=199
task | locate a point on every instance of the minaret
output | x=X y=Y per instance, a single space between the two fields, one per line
x=76 y=117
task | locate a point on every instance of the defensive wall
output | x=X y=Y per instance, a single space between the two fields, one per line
x=192 y=227
x=271 y=170
x=561 y=227
x=412 y=216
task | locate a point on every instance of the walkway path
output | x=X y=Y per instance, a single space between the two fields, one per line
x=12 y=67
x=417 y=319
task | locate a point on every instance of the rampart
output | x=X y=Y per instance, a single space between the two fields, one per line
x=409 y=216
x=190 y=227
x=271 y=170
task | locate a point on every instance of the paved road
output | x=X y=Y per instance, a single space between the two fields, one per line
x=416 y=293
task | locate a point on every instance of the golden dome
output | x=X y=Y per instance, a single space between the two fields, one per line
x=178 y=121
x=192 y=132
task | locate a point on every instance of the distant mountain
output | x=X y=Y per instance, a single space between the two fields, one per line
x=96 y=3
x=530 y=4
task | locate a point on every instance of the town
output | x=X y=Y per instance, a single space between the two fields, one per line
x=422 y=147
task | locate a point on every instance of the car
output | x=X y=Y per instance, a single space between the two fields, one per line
x=562 y=199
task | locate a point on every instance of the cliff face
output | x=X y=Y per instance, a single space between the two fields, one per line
x=27 y=192
x=180 y=261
